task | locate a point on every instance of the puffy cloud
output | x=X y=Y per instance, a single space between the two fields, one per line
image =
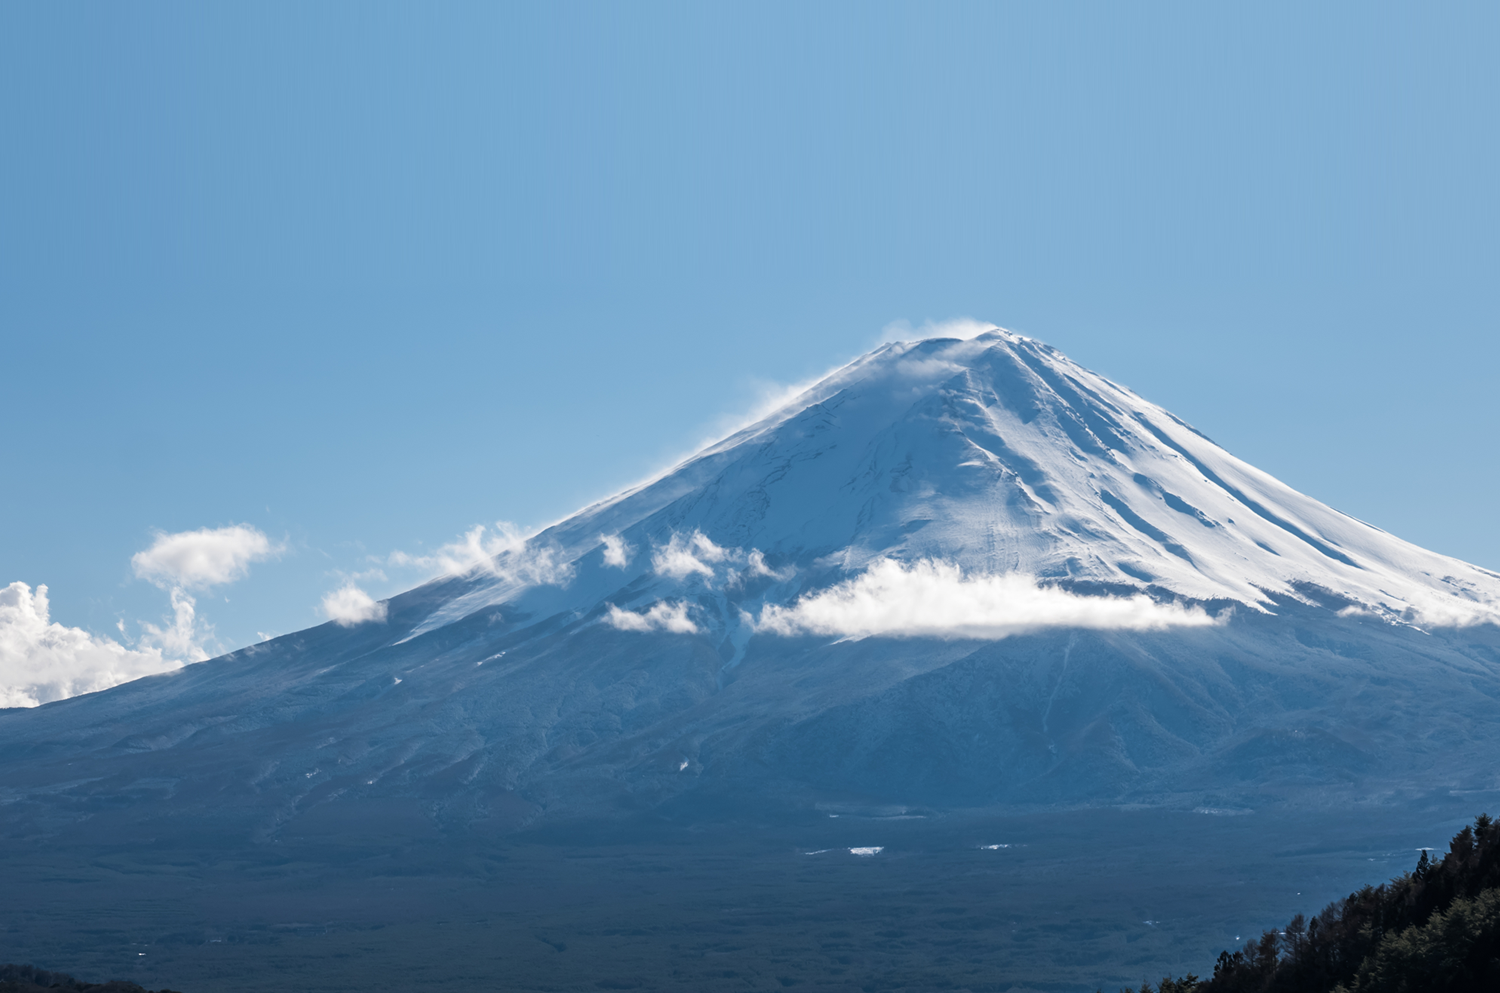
x=662 y=616
x=685 y=555
x=196 y=560
x=695 y=554
x=203 y=558
x=182 y=637
x=936 y=600
x=755 y=566
x=504 y=554
x=42 y=661
x=617 y=551
x=349 y=605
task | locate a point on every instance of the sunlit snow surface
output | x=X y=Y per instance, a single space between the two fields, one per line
x=992 y=482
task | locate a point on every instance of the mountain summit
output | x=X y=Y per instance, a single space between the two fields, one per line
x=953 y=573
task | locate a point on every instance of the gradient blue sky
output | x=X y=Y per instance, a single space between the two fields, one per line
x=363 y=276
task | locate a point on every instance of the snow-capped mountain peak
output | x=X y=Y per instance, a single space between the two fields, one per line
x=995 y=456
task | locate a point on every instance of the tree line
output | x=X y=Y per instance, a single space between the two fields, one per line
x=1435 y=929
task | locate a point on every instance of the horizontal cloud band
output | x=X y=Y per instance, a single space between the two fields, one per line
x=931 y=599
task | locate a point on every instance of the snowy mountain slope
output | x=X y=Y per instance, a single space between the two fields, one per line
x=953 y=573
x=1001 y=456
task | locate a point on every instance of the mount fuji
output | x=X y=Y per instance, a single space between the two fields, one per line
x=954 y=574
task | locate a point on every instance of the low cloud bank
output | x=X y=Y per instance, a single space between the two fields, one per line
x=349 y=605
x=42 y=661
x=662 y=616
x=936 y=600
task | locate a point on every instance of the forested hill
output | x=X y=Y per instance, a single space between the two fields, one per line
x=1435 y=929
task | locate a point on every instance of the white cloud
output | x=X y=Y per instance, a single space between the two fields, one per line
x=41 y=661
x=504 y=554
x=685 y=555
x=1430 y=611
x=196 y=560
x=349 y=605
x=203 y=558
x=662 y=616
x=695 y=554
x=617 y=551
x=936 y=600
x=181 y=637
x=755 y=565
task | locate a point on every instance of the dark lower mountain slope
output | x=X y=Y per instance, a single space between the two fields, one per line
x=475 y=724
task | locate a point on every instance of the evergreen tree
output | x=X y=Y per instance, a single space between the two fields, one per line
x=1435 y=929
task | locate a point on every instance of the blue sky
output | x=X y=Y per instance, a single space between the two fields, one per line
x=362 y=277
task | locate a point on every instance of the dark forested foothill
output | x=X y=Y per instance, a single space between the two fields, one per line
x=30 y=979
x=1435 y=929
